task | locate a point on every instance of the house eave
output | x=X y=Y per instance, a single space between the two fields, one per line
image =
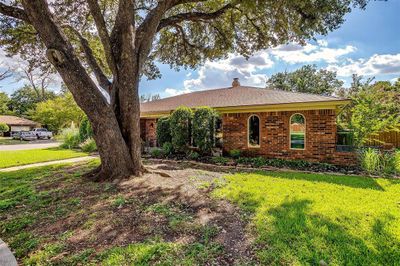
x=301 y=106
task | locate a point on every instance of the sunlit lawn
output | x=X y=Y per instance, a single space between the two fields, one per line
x=301 y=219
x=10 y=141
x=21 y=157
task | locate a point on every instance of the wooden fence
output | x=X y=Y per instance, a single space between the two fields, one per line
x=391 y=138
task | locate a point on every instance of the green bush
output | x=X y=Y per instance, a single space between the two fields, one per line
x=3 y=128
x=70 y=138
x=375 y=162
x=157 y=153
x=89 y=145
x=194 y=156
x=219 y=160
x=235 y=154
x=168 y=149
x=163 y=130
x=203 y=129
x=370 y=160
x=180 y=128
x=85 y=130
x=397 y=161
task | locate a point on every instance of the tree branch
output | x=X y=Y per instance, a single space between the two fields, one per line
x=91 y=60
x=193 y=16
x=103 y=33
x=14 y=12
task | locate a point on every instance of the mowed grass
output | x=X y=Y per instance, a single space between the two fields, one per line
x=301 y=219
x=22 y=157
x=10 y=141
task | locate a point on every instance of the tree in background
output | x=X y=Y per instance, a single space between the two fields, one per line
x=3 y=128
x=119 y=41
x=149 y=97
x=306 y=79
x=4 y=100
x=58 y=112
x=375 y=108
x=25 y=99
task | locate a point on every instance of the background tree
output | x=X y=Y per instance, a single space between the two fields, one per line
x=4 y=99
x=23 y=101
x=163 y=130
x=133 y=34
x=306 y=79
x=203 y=129
x=3 y=128
x=374 y=108
x=180 y=123
x=58 y=112
x=149 y=97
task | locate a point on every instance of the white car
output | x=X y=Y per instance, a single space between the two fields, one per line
x=42 y=133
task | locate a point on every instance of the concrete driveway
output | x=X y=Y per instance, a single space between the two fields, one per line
x=31 y=145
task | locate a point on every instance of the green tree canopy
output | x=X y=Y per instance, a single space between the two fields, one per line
x=24 y=100
x=58 y=112
x=306 y=79
x=374 y=108
x=3 y=128
x=4 y=100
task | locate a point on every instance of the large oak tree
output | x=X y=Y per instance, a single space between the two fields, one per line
x=119 y=42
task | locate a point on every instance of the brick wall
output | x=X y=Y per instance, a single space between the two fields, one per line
x=320 y=142
x=148 y=131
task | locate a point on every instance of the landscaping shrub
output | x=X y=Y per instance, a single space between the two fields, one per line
x=219 y=160
x=163 y=130
x=370 y=160
x=203 y=129
x=180 y=128
x=193 y=156
x=375 y=162
x=70 y=138
x=85 y=130
x=89 y=145
x=235 y=154
x=157 y=153
x=3 y=128
x=168 y=149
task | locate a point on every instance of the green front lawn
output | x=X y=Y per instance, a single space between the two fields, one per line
x=301 y=219
x=52 y=216
x=10 y=141
x=21 y=157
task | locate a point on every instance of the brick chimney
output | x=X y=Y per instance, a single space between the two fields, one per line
x=235 y=82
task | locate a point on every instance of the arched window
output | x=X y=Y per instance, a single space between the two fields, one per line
x=254 y=131
x=297 y=132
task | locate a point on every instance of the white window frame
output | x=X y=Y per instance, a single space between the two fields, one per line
x=248 y=132
x=290 y=132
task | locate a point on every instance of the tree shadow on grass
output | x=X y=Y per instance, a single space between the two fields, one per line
x=349 y=181
x=295 y=236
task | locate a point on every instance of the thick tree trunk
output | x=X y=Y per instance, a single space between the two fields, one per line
x=114 y=145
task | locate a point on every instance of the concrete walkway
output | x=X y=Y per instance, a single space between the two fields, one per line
x=6 y=256
x=29 y=146
x=72 y=160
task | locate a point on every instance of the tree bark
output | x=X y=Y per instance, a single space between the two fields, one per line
x=116 y=160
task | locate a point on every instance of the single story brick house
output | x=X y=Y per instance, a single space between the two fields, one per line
x=263 y=122
x=16 y=124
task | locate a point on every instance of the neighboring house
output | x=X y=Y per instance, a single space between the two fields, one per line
x=263 y=122
x=16 y=124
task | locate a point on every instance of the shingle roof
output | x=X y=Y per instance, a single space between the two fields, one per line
x=16 y=121
x=233 y=97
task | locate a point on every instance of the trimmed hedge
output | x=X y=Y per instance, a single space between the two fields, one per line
x=163 y=130
x=203 y=129
x=180 y=128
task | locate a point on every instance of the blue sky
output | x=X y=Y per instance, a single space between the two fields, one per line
x=368 y=43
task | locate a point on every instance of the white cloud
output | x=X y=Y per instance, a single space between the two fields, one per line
x=375 y=65
x=310 y=53
x=174 y=92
